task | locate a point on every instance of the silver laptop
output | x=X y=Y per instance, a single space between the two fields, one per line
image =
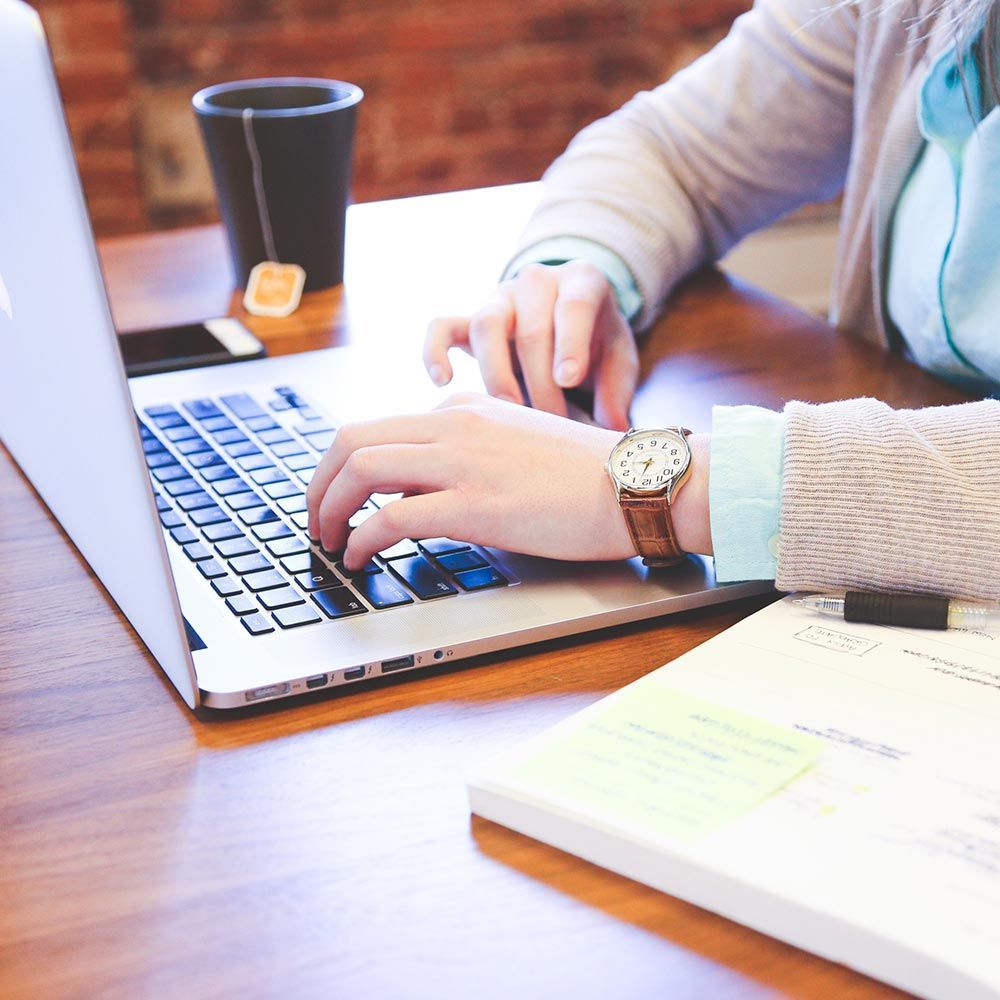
x=184 y=491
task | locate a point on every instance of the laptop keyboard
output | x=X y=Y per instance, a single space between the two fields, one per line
x=230 y=475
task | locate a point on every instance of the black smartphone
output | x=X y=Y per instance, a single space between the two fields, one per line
x=191 y=345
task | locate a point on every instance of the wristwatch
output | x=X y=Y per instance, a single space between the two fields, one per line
x=648 y=469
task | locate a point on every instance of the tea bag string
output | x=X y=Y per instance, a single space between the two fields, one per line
x=258 y=185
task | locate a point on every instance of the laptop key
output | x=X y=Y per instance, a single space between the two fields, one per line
x=293 y=617
x=257 y=624
x=422 y=578
x=161 y=504
x=214 y=424
x=285 y=488
x=222 y=532
x=300 y=562
x=195 y=551
x=170 y=519
x=257 y=515
x=203 y=459
x=195 y=501
x=293 y=505
x=339 y=603
x=400 y=550
x=253 y=563
x=287 y=546
x=283 y=597
x=210 y=569
x=202 y=409
x=268 y=580
x=268 y=532
x=258 y=424
x=317 y=425
x=158 y=459
x=456 y=562
x=160 y=410
x=441 y=546
x=241 y=604
x=242 y=448
x=274 y=435
x=297 y=462
x=226 y=586
x=305 y=475
x=170 y=421
x=192 y=445
x=183 y=534
x=168 y=473
x=368 y=568
x=230 y=548
x=268 y=475
x=381 y=590
x=151 y=445
x=243 y=405
x=209 y=515
x=480 y=579
x=285 y=449
x=321 y=441
x=319 y=576
x=301 y=519
x=230 y=435
x=217 y=473
x=251 y=463
x=244 y=501
x=180 y=487
x=227 y=487
x=182 y=432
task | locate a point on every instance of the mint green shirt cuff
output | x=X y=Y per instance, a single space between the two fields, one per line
x=744 y=493
x=561 y=249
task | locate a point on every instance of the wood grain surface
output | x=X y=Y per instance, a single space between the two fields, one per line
x=325 y=848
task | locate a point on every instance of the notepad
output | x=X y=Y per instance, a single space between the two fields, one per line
x=837 y=790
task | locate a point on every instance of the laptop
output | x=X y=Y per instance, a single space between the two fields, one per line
x=185 y=491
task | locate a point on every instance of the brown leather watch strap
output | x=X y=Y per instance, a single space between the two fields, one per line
x=652 y=529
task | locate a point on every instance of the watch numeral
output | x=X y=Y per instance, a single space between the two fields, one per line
x=645 y=482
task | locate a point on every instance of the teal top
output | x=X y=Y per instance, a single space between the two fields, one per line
x=942 y=294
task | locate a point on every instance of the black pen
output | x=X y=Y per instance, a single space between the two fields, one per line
x=908 y=610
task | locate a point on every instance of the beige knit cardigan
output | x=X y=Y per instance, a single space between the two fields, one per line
x=800 y=101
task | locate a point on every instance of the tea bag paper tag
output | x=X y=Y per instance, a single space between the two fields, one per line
x=274 y=289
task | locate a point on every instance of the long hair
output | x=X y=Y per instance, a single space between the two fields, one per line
x=987 y=53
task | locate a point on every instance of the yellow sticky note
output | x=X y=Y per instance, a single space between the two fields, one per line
x=667 y=762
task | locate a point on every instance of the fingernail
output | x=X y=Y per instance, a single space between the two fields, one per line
x=567 y=372
x=437 y=374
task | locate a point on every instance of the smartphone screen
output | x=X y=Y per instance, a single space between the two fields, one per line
x=192 y=345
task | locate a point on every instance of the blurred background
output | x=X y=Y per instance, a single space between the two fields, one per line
x=457 y=95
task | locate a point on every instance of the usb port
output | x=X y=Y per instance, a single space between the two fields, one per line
x=400 y=663
x=316 y=682
x=354 y=674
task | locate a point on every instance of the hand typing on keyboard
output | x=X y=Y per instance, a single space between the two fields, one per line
x=481 y=469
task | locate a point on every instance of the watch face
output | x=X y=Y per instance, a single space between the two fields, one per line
x=648 y=461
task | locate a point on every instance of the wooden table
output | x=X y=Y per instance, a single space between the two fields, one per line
x=326 y=848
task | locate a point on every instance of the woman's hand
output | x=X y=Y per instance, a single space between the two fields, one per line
x=562 y=324
x=489 y=472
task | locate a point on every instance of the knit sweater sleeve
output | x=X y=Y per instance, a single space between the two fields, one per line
x=758 y=126
x=883 y=499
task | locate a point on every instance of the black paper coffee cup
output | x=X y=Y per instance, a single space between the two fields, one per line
x=281 y=151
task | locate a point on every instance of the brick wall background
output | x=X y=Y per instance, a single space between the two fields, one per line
x=457 y=94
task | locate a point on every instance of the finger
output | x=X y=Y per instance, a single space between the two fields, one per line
x=443 y=334
x=534 y=299
x=424 y=516
x=378 y=469
x=416 y=429
x=615 y=380
x=489 y=336
x=583 y=291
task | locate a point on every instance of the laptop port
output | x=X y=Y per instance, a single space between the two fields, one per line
x=316 y=682
x=354 y=674
x=400 y=663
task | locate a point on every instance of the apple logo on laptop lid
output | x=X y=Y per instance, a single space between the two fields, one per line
x=5 y=306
